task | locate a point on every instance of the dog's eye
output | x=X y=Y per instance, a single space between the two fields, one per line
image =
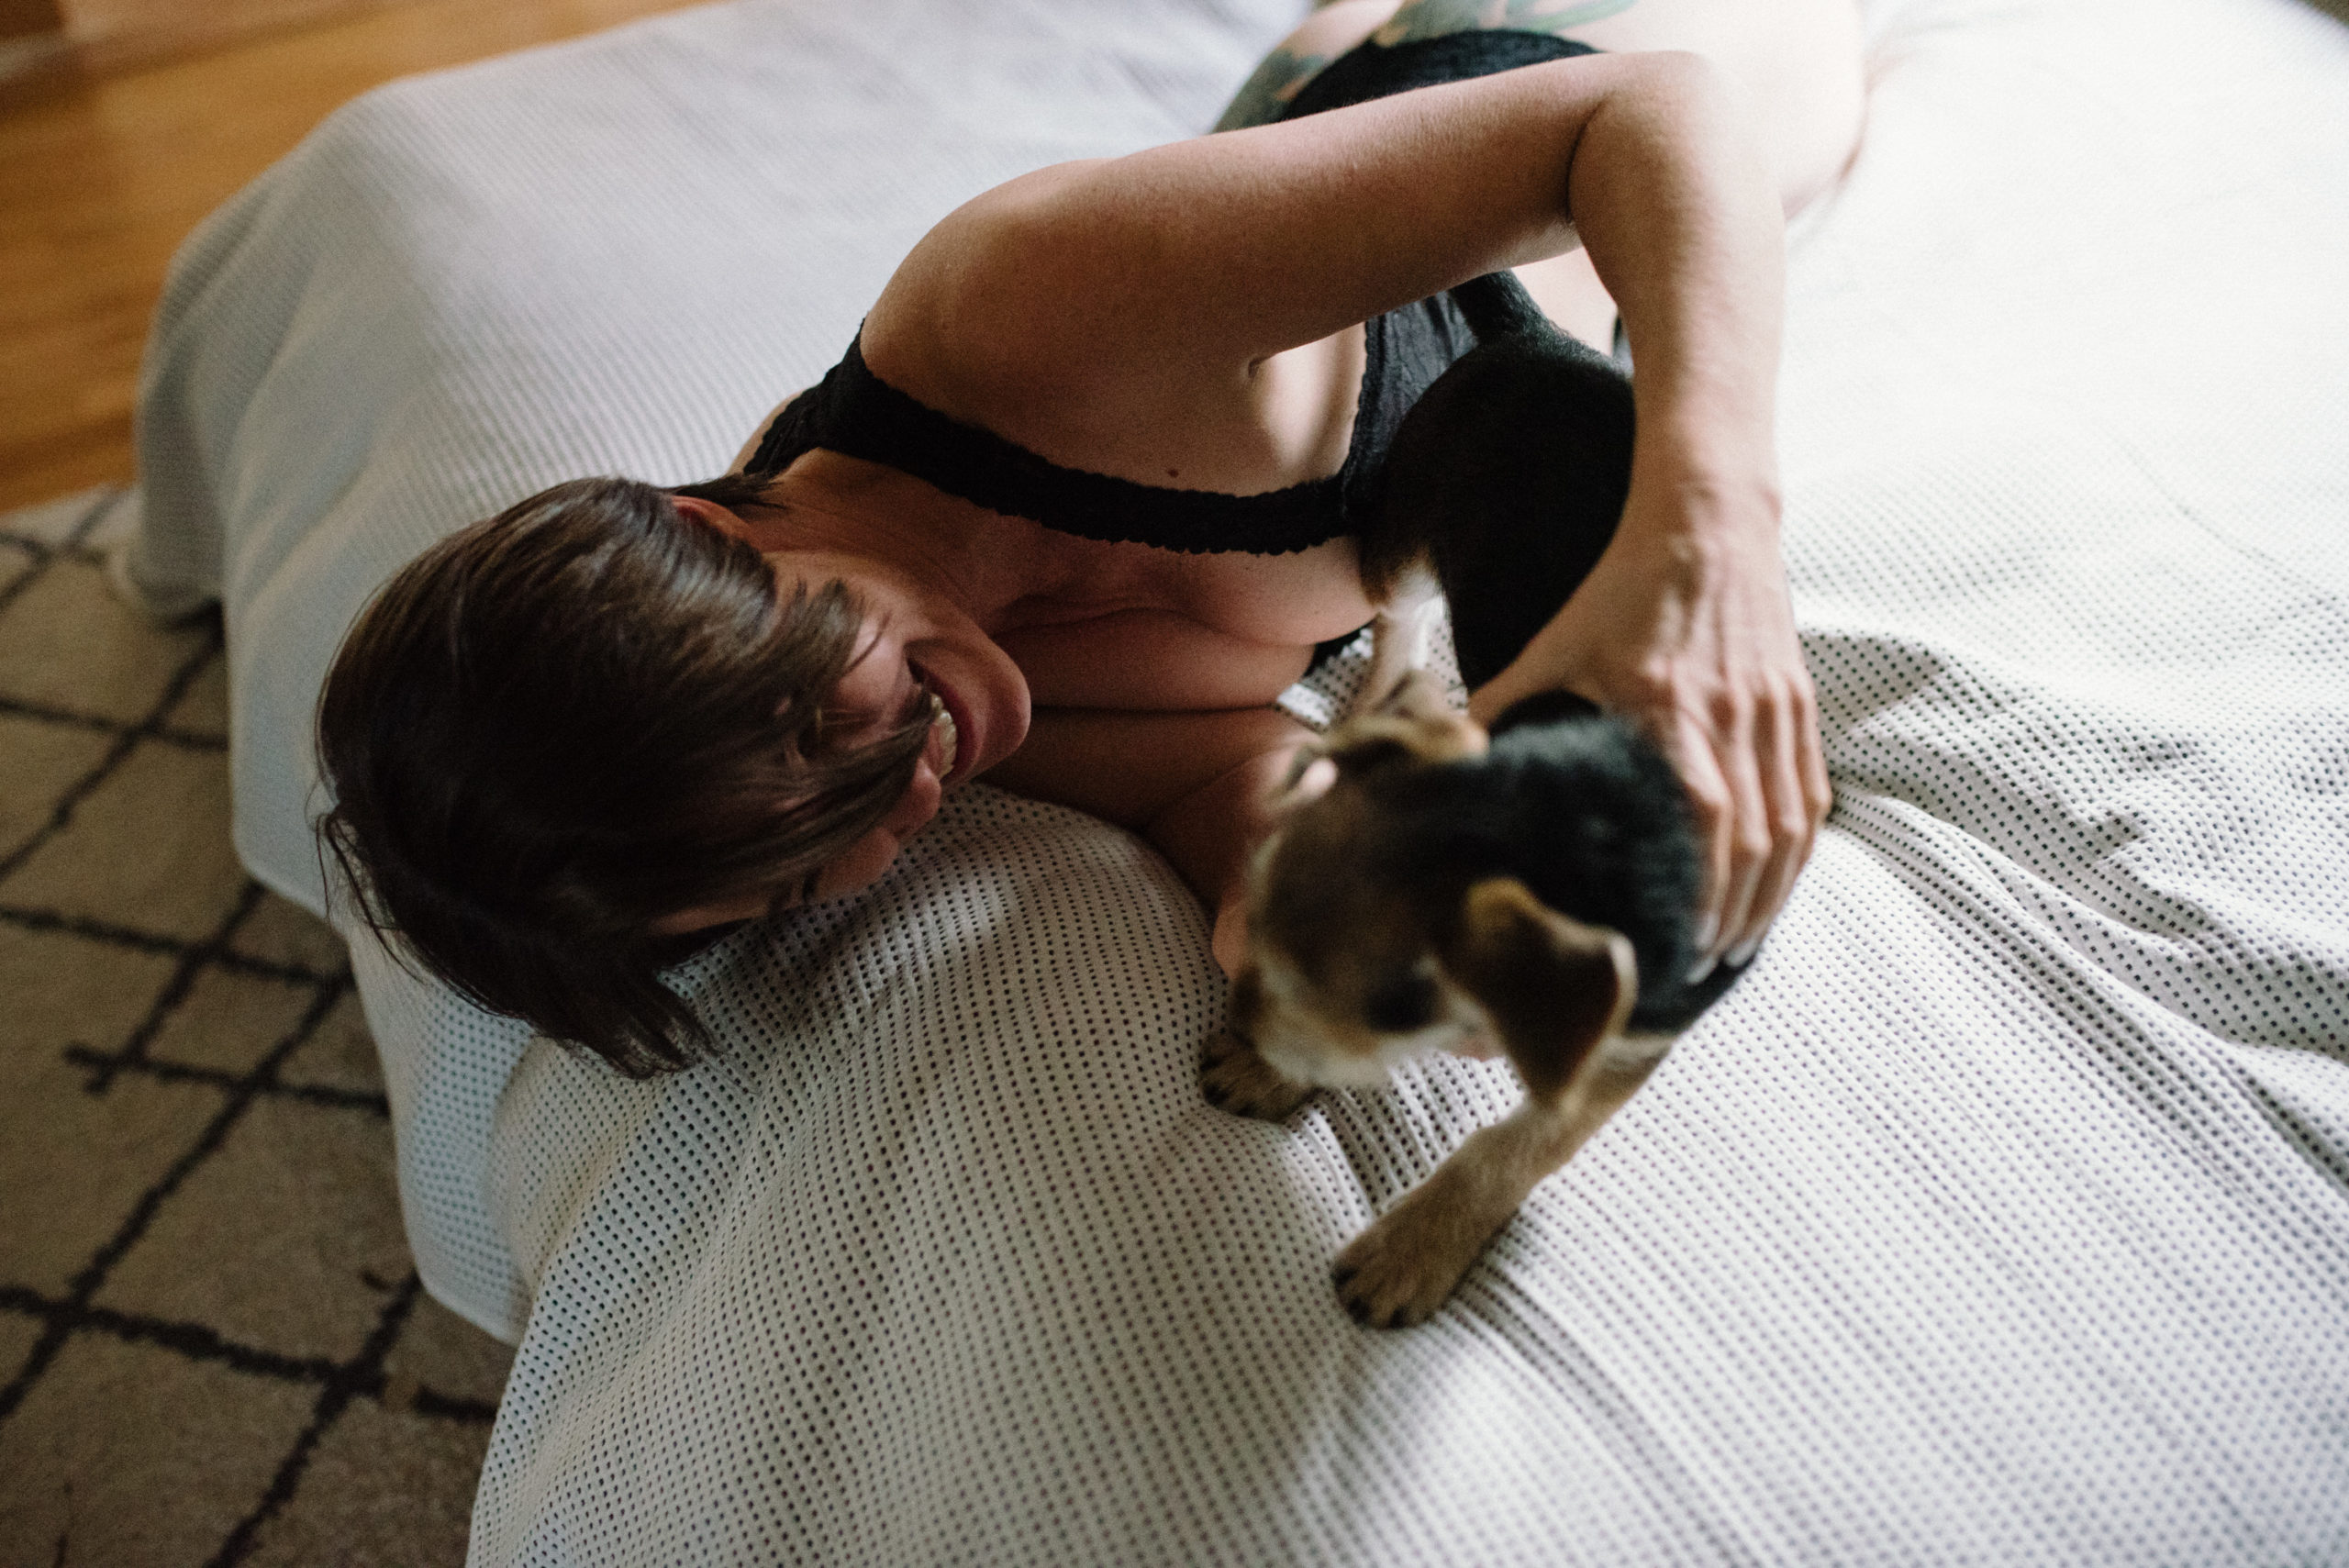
x=1400 y=1006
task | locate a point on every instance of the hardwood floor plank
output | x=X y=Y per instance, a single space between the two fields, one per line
x=102 y=178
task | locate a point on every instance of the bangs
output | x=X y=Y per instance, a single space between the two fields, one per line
x=558 y=725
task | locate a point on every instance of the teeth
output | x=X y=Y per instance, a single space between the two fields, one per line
x=943 y=720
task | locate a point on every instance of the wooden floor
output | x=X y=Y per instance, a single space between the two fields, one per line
x=101 y=180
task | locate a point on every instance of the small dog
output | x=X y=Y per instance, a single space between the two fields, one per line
x=1479 y=895
x=1529 y=892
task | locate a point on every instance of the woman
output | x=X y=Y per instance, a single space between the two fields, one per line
x=1074 y=510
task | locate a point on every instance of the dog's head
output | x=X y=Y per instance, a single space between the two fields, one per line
x=1370 y=941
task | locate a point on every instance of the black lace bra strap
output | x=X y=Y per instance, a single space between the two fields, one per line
x=853 y=412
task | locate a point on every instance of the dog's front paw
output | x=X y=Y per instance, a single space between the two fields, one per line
x=1397 y=1273
x=1240 y=1081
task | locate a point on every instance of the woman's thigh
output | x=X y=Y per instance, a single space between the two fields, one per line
x=1797 y=61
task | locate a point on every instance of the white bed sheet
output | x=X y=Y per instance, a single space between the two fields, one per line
x=2000 y=1215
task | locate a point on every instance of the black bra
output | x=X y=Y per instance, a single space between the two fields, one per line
x=854 y=412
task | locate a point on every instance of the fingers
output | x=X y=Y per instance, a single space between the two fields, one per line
x=1768 y=794
x=1747 y=825
x=1724 y=692
x=1785 y=736
x=1810 y=796
x=1713 y=806
x=1756 y=781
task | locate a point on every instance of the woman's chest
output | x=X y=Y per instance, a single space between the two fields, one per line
x=1128 y=626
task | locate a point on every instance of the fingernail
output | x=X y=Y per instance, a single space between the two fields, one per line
x=1706 y=929
x=1701 y=968
x=1743 y=953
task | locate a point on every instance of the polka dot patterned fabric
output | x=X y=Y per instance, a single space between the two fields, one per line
x=2000 y=1215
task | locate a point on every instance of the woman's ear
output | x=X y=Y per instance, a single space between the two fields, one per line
x=713 y=516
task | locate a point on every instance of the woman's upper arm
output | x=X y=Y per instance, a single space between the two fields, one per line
x=1206 y=256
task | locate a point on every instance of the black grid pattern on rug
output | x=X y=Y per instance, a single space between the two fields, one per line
x=148 y=745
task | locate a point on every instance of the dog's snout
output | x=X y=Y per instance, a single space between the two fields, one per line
x=1401 y=1004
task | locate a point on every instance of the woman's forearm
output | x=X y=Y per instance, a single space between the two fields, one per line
x=1680 y=214
x=1208 y=834
x=1684 y=625
x=1199 y=787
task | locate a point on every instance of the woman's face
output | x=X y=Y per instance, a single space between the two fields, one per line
x=915 y=643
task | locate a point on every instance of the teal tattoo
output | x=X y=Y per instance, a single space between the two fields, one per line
x=1434 y=18
x=1267 y=93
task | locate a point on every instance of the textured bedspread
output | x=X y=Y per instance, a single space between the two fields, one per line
x=2000 y=1215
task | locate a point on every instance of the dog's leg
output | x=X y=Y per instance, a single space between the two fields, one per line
x=1399 y=638
x=1558 y=992
x=1235 y=1077
x=1407 y=1263
x=1240 y=1081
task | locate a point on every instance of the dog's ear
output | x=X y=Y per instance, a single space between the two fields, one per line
x=1554 y=987
x=1412 y=723
x=1417 y=697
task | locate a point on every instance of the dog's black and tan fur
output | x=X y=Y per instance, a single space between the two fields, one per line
x=1531 y=892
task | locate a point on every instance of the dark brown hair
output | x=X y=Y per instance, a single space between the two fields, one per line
x=557 y=727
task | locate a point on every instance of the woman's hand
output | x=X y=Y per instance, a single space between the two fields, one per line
x=1684 y=628
x=1685 y=625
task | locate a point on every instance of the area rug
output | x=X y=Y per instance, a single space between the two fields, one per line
x=213 y=1346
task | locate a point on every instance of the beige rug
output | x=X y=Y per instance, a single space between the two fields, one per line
x=213 y=1348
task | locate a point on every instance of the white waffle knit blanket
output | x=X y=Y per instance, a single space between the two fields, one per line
x=1999 y=1217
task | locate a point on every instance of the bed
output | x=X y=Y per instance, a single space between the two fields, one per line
x=1999 y=1216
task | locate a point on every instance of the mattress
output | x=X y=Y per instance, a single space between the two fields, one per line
x=1999 y=1216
